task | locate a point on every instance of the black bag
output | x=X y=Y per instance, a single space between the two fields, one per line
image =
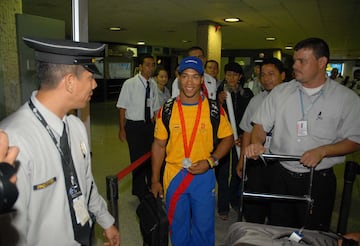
x=154 y=225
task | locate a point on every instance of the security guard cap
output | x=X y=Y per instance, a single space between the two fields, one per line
x=66 y=52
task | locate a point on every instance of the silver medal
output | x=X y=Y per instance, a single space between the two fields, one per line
x=186 y=163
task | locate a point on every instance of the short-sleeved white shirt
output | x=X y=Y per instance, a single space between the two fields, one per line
x=334 y=116
x=253 y=105
x=132 y=98
x=163 y=95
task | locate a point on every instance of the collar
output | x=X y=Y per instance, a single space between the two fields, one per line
x=238 y=88
x=143 y=80
x=193 y=104
x=55 y=123
x=323 y=90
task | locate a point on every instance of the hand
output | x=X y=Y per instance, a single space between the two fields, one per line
x=354 y=236
x=312 y=158
x=113 y=235
x=199 y=167
x=7 y=154
x=238 y=141
x=122 y=135
x=253 y=151
x=157 y=189
x=239 y=169
x=222 y=97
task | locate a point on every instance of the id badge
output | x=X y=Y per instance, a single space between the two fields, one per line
x=302 y=130
x=148 y=102
x=81 y=212
x=267 y=142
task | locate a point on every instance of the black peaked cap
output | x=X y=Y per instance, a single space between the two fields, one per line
x=66 y=52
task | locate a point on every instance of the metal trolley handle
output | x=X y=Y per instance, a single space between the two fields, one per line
x=307 y=197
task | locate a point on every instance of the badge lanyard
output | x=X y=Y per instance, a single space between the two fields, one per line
x=302 y=124
x=45 y=124
x=53 y=138
x=188 y=148
x=78 y=210
x=303 y=111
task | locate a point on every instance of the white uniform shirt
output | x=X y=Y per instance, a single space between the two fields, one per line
x=333 y=117
x=132 y=98
x=163 y=95
x=43 y=215
x=254 y=85
x=253 y=105
x=210 y=84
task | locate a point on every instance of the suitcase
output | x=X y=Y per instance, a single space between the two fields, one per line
x=252 y=234
x=154 y=225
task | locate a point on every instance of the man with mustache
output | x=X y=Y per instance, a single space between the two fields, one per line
x=313 y=117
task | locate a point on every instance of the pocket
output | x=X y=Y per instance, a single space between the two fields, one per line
x=325 y=129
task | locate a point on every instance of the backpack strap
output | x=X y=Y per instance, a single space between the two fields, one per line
x=166 y=113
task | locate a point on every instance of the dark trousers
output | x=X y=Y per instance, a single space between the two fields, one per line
x=139 y=136
x=228 y=191
x=258 y=180
x=293 y=214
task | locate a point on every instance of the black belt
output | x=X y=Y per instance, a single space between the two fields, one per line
x=138 y=122
x=307 y=174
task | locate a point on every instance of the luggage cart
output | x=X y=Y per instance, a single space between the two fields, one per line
x=306 y=198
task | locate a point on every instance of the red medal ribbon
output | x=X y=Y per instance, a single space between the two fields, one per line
x=188 y=148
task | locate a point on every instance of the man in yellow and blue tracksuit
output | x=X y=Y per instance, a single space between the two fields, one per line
x=188 y=142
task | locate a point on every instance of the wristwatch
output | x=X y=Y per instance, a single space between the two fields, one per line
x=213 y=161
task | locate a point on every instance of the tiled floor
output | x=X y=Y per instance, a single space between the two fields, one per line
x=110 y=156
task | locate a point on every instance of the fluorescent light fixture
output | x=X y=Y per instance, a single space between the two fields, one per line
x=232 y=19
x=141 y=42
x=288 y=47
x=115 y=28
x=270 y=38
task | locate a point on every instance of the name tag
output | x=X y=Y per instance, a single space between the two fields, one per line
x=267 y=142
x=302 y=129
x=81 y=213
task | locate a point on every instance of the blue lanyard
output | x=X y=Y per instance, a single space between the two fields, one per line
x=304 y=112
